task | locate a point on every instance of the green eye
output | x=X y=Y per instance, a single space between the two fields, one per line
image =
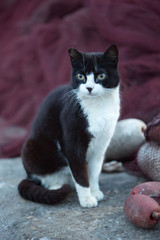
x=80 y=76
x=101 y=76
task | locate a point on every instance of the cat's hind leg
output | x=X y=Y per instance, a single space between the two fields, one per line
x=44 y=162
x=56 y=180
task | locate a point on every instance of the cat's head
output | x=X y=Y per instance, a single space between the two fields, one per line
x=94 y=73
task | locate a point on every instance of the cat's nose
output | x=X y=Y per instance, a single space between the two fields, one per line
x=89 y=89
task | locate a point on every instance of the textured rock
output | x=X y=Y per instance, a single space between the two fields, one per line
x=24 y=220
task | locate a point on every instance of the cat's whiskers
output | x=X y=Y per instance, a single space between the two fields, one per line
x=67 y=95
x=71 y=98
x=71 y=101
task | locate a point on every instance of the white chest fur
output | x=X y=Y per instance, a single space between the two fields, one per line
x=102 y=114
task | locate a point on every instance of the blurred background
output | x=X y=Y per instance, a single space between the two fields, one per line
x=34 y=39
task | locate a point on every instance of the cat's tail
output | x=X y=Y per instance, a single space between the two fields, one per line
x=36 y=193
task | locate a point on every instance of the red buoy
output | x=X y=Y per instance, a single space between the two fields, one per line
x=142 y=210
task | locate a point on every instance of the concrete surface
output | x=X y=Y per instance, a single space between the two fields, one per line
x=24 y=220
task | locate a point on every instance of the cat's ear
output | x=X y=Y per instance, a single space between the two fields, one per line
x=75 y=55
x=111 y=54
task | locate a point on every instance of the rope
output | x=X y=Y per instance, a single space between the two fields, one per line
x=155 y=215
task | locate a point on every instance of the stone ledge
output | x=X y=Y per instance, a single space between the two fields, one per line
x=24 y=220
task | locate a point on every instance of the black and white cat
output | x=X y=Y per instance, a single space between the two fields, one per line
x=72 y=130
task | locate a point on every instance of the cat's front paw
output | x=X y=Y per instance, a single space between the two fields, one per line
x=98 y=194
x=89 y=202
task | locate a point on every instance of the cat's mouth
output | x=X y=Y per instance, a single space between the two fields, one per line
x=88 y=95
x=92 y=95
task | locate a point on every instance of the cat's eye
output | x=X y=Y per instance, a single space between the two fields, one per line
x=101 y=76
x=80 y=76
